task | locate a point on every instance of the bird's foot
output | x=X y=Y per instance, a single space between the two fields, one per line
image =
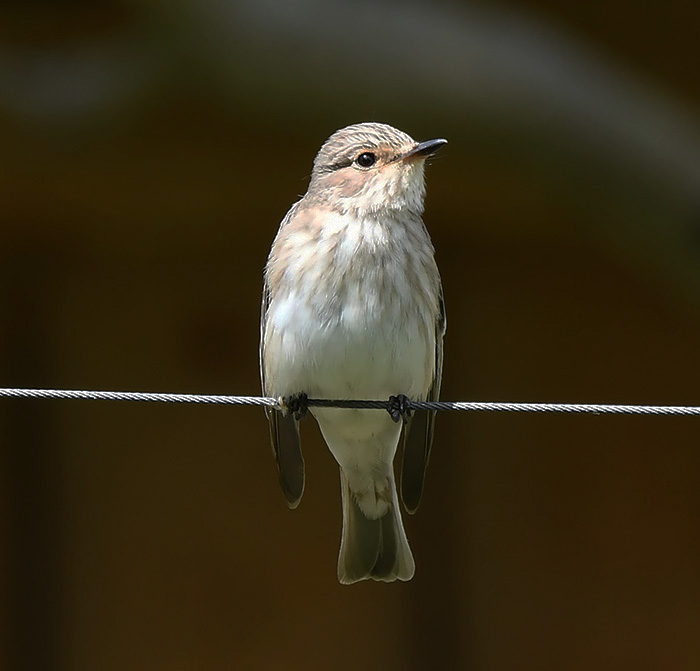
x=400 y=408
x=297 y=405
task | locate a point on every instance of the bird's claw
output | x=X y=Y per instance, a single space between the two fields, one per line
x=399 y=408
x=297 y=405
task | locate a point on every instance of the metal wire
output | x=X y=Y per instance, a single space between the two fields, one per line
x=139 y=396
x=464 y=406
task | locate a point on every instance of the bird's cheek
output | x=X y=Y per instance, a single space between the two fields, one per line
x=346 y=184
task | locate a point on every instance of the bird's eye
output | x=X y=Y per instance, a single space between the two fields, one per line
x=366 y=160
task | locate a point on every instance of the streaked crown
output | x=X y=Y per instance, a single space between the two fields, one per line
x=347 y=144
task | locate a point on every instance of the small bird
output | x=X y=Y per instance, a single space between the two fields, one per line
x=353 y=309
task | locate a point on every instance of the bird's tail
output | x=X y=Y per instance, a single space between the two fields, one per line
x=374 y=548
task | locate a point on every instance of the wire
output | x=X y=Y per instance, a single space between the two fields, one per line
x=464 y=406
x=140 y=396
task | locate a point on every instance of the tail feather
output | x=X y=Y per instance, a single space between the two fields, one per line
x=372 y=548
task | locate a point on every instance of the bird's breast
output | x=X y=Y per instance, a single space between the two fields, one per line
x=355 y=313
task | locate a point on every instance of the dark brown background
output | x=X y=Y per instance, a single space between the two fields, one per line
x=149 y=151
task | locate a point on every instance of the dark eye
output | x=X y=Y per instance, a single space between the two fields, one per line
x=366 y=159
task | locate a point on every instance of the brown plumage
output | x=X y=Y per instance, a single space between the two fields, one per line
x=352 y=308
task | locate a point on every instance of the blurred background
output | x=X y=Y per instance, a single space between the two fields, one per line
x=149 y=151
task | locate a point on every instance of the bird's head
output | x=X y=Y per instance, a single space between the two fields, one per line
x=367 y=168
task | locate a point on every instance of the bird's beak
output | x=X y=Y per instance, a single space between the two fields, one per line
x=423 y=149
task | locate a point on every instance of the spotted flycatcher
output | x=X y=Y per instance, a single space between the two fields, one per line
x=353 y=309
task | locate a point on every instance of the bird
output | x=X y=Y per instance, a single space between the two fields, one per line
x=353 y=308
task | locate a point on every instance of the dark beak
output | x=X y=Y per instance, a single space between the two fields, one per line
x=424 y=149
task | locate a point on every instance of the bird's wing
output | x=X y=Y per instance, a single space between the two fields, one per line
x=284 y=430
x=418 y=433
